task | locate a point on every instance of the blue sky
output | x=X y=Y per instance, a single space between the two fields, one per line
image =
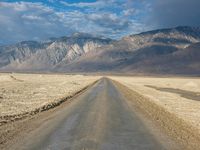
x=41 y=19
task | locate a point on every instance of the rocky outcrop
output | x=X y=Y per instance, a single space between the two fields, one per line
x=43 y=56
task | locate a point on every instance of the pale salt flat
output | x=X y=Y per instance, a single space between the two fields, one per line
x=183 y=106
x=21 y=93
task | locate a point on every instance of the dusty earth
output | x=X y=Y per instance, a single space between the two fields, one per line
x=100 y=118
x=172 y=103
x=180 y=96
x=22 y=94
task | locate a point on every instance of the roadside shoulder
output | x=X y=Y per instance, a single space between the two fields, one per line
x=174 y=126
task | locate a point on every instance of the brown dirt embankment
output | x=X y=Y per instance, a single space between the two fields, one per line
x=178 y=129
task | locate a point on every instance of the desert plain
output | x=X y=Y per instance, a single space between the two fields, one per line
x=172 y=102
x=177 y=95
x=20 y=93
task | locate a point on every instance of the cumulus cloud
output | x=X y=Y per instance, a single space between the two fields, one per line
x=97 y=4
x=108 y=21
x=129 y=12
x=32 y=17
x=30 y=21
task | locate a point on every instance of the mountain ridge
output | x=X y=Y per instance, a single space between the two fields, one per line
x=83 y=52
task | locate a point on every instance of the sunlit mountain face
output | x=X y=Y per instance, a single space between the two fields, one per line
x=168 y=51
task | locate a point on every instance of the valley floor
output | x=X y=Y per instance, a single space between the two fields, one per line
x=180 y=96
x=98 y=119
x=172 y=102
x=22 y=93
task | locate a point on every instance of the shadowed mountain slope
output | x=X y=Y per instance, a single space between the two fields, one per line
x=164 y=51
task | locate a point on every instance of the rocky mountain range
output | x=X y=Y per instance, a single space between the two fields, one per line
x=45 y=55
x=164 y=51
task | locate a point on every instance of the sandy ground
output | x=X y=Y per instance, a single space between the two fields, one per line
x=99 y=118
x=20 y=93
x=179 y=96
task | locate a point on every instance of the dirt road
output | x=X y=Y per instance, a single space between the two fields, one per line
x=99 y=119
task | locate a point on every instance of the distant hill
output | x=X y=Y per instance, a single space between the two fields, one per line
x=44 y=56
x=163 y=51
x=183 y=61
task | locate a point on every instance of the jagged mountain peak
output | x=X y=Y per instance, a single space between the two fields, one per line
x=179 y=37
x=187 y=28
x=28 y=42
x=33 y=55
x=184 y=29
x=82 y=35
x=86 y=52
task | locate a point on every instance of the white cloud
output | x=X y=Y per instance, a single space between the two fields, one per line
x=129 y=12
x=26 y=21
x=96 y=4
x=17 y=7
x=32 y=17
